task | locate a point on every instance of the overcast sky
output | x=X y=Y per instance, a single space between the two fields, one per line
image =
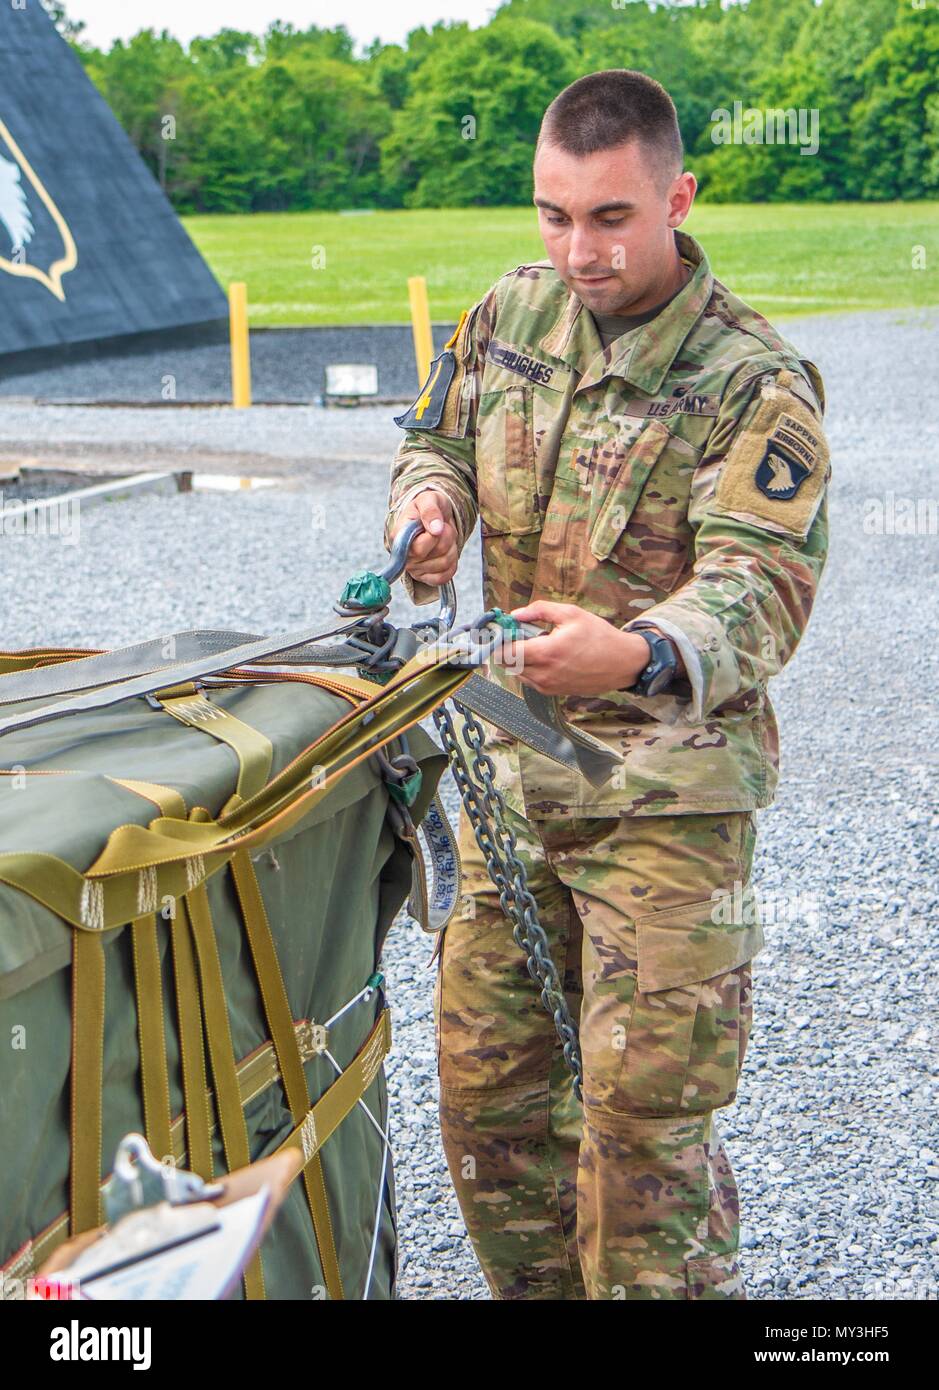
x=389 y=20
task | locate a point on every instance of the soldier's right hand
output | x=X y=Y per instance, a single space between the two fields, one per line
x=433 y=555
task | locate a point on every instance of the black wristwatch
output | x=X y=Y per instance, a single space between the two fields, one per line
x=657 y=676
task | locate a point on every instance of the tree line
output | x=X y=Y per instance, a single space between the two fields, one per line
x=778 y=100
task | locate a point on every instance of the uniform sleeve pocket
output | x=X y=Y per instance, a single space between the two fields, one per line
x=685 y=945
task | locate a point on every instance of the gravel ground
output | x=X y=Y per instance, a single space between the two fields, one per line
x=299 y=441
x=287 y=364
x=834 y=1135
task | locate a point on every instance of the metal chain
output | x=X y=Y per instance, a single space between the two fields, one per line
x=487 y=817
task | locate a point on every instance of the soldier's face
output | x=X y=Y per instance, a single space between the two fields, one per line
x=607 y=221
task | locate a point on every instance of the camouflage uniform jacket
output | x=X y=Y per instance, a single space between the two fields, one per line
x=676 y=477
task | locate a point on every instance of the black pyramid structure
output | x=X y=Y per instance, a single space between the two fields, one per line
x=91 y=250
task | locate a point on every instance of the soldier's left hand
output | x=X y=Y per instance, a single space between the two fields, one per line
x=582 y=655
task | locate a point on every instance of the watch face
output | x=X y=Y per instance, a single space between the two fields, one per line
x=661 y=669
x=660 y=681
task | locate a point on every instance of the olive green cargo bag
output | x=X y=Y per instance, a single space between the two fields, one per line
x=194 y=892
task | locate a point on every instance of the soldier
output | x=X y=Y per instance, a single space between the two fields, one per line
x=646 y=456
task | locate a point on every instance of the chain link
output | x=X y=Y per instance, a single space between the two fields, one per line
x=485 y=806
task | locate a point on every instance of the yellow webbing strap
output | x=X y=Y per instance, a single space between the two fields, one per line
x=255 y=751
x=41 y=656
x=256 y=1074
x=86 y=1080
x=154 y=1075
x=170 y=801
x=222 y=1054
x=175 y=847
x=148 y=982
x=284 y=1038
x=346 y=1091
x=191 y=1048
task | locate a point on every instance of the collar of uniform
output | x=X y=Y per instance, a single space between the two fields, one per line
x=649 y=357
x=649 y=350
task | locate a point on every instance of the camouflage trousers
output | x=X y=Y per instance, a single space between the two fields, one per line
x=630 y=1195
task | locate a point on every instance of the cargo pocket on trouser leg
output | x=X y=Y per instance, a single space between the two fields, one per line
x=691 y=1013
x=658 y=1201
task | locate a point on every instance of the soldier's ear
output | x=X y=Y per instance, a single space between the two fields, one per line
x=681 y=197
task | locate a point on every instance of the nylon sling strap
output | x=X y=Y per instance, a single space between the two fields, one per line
x=44 y=673
x=536 y=720
x=347 y=1090
x=254 y=753
x=256 y=1074
x=434 y=907
x=121 y=687
x=87 y=1072
x=154 y=1076
x=191 y=1048
x=222 y=1055
x=287 y=1051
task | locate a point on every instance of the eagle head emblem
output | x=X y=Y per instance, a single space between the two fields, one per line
x=782 y=479
x=23 y=199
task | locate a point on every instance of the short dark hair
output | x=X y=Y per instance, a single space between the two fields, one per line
x=606 y=109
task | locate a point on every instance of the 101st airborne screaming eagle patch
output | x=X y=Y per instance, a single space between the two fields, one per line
x=790 y=457
x=775 y=471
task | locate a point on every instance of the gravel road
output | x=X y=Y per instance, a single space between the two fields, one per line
x=834 y=1135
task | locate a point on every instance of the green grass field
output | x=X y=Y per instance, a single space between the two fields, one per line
x=785 y=259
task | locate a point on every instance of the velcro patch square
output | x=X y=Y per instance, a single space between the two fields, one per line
x=775 y=471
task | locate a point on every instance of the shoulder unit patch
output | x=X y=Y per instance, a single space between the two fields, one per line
x=775 y=471
x=437 y=406
x=427 y=410
x=779 y=475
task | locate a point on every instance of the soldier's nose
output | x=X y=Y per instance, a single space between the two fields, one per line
x=582 y=254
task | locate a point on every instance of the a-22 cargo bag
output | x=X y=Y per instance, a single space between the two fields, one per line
x=157 y=977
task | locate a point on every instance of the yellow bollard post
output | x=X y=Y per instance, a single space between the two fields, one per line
x=420 y=325
x=240 y=354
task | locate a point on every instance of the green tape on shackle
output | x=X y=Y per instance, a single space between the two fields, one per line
x=367 y=589
x=406 y=791
x=506 y=621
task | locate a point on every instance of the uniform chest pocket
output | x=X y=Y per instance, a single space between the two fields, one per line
x=505 y=462
x=639 y=510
